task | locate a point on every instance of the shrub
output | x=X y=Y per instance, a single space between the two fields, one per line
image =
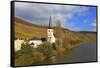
x=38 y=57
x=26 y=49
x=43 y=39
x=46 y=49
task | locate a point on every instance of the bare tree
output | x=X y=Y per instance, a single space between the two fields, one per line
x=59 y=33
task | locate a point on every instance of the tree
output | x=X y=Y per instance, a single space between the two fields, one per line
x=59 y=33
x=43 y=39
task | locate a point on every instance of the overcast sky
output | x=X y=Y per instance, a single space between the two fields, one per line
x=76 y=18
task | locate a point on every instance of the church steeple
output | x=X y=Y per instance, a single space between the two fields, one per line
x=50 y=25
x=50 y=33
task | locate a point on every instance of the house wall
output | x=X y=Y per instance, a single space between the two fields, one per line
x=18 y=44
x=51 y=37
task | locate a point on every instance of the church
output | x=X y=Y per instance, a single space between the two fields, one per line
x=50 y=33
x=50 y=36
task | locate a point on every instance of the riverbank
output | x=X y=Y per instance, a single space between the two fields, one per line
x=82 y=43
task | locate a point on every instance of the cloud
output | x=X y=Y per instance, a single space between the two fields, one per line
x=94 y=25
x=45 y=10
x=40 y=13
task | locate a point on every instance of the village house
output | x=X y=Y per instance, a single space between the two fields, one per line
x=18 y=43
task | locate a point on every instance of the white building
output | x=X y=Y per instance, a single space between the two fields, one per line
x=50 y=32
x=18 y=44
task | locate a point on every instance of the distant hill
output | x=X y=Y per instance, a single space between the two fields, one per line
x=26 y=30
x=87 y=32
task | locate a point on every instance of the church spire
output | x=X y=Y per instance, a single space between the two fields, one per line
x=50 y=25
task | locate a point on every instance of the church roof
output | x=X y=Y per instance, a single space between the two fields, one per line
x=50 y=24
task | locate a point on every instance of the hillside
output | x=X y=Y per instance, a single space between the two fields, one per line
x=27 y=30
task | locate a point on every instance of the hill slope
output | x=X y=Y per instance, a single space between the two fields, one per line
x=27 y=30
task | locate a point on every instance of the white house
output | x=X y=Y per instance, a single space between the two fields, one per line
x=17 y=44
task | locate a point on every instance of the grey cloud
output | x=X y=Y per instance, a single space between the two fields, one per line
x=43 y=11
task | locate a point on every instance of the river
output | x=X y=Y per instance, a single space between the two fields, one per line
x=84 y=53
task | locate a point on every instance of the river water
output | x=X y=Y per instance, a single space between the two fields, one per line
x=83 y=53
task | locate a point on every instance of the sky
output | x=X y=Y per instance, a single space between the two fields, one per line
x=76 y=18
